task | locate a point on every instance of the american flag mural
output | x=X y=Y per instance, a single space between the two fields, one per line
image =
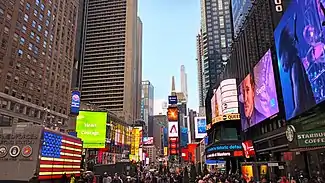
x=59 y=154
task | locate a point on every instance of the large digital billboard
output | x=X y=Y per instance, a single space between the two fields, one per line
x=224 y=103
x=299 y=40
x=257 y=93
x=173 y=129
x=91 y=128
x=200 y=127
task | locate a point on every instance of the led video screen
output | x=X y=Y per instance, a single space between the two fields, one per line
x=299 y=41
x=257 y=94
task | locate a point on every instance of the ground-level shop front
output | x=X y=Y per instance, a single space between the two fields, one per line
x=307 y=150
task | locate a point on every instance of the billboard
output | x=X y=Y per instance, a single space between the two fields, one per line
x=173 y=129
x=172 y=100
x=239 y=10
x=224 y=103
x=257 y=93
x=147 y=140
x=91 y=128
x=172 y=114
x=75 y=102
x=300 y=51
x=184 y=136
x=165 y=137
x=200 y=127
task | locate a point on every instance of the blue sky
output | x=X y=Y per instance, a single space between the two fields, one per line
x=169 y=40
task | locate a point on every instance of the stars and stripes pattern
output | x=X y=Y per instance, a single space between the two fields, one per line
x=59 y=154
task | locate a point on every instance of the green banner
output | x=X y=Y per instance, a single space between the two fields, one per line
x=91 y=128
x=311 y=138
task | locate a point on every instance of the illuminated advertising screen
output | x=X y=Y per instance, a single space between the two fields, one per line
x=172 y=114
x=257 y=94
x=300 y=45
x=75 y=102
x=225 y=104
x=165 y=137
x=91 y=128
x=147 y=140
x=200 y=127
x=173 y=129
x=184 y=137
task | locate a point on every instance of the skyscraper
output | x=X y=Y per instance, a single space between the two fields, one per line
x=184 y=82
x=111 y=60
x=217 y=38
x=36 y=59
x=147 y=105
x=199 y=60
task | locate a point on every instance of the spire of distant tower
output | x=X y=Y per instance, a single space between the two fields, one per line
x=173 y=92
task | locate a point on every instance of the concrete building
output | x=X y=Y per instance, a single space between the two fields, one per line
x=199 y=60
x=191 y=115
x=36 y=59
x=184 y=82
x=111 y=57
x=152 y=153
x=217 y=36
x=160 y=122
x=147 y=105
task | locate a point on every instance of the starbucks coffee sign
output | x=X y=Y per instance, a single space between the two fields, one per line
x=311 y=138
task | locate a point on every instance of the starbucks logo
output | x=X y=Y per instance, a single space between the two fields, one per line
x=14 y=151
x=27 y=151
x=3 y=151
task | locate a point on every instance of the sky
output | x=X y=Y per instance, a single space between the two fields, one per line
x=169 y=41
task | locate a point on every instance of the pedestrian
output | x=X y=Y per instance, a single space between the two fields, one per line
x=64 y=178
x=106 y=178
x=72 y=179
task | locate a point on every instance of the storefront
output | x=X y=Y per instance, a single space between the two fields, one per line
x=231 y=152
x=307 y=151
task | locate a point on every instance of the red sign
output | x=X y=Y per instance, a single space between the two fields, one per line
x=173 y=146
x=248 y=148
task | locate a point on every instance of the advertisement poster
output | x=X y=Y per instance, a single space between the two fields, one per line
x=133 y=141
x=173 y=129
x=75 y=102
x=247 y=172
x=200 y=127
x=263 y=169
x=137 y=141
x=91 y=128
x=257 y=93
x=299 y=41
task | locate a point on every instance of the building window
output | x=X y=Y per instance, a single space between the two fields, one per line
x=223 y=41
x=26 y=18
x=37 y=39
x=6 y=30
x=30 y=46
x=22 y=41
x=16 y=37
x=20 y=53
x=34 y=24
x=16 y=79
x=24 y=29
x=9 y=17
x=40 y=17
x=6 y=91
x=37 y=2
x=46 y=33
x=48 y=13
x=47 y=22
x=39 y=28
x=8 y=75
x=42 y=7
x=35 y=13
x=18 y=66
x=32 y=35
x=27 y=6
